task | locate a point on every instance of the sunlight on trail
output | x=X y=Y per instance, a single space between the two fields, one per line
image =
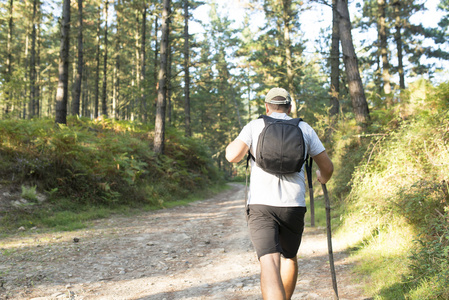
x=197 y=251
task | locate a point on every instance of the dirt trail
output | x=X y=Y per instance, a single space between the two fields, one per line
x=199 y=251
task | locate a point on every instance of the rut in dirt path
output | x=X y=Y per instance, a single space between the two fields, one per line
x=198 y=251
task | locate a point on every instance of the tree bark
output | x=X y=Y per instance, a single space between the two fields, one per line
x=116 y=94
x=288 y=54
x=104 y=107
x=156 y=54
x=188 y=131
x=79 y=73
x=23 y=92
x=9 y=56
x=97 y=70
x=86 y=111
x=335 y=63
x=398 y=40
x=143 y=63
x=358 y=99
x=169 y=82
x=383 y=49
x=159 y=131
x=136 y=70
x=32 y=104
x=37 y=106
x=61 y=93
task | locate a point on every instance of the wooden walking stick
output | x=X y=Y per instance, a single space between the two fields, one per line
x=329 y=240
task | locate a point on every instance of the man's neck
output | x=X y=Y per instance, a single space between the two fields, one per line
x=277 y=112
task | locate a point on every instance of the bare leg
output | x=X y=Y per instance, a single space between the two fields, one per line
x=270 y=277
x=289 y=275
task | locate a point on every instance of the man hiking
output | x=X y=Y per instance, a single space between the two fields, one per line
x=276 y=203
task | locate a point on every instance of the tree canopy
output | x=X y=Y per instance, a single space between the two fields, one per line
x=103 y=59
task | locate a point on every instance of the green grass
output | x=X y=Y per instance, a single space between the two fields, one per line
x=382 y=261
x=395 y=204
x=29 y=193
x=64 y=215
x=51 y=217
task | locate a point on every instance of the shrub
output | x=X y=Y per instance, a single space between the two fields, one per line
x=401 y=182
x=102 y=161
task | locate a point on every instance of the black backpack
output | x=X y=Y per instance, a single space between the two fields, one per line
x=281 y=147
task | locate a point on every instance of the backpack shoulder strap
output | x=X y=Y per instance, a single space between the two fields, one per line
x=248 y=157
x=308 y=163
x=295 y=121
x=267 y=119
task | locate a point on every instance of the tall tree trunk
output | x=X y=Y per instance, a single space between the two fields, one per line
x=288 y=54
x=169 y=82
x=79 y=73
x=97 y=70
x=383 y=47
x=143 y=63
x=32 y=103
x=37 y=104
x=156 y=54
x=159 y=130
x=188 y=130
x=119 y=10
x=9 y=57
x=61 y=94
x=358 y=99
x=114 y=92
x=85 y=103
x=236 y=105
x=104 y=106
x=136 y=70
x=169 y=72
x=23 y=101
x=335 y=62
x=116 y=111
x=398 y=40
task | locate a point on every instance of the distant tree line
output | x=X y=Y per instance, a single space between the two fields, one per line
x=136 y=60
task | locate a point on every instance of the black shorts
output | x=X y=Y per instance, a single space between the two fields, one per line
x=276 y=229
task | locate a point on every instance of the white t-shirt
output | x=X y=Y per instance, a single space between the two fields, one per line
x=278 y=190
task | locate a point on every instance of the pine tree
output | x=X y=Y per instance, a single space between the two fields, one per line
x=335 y=62
x=61 y=95
x=188 y=131
x=159 y=130
x=359 y=104
x=9 y=56
x=97 y=68
x=33 y=74
x=104 y=98
x=79 y=73
x=383 y=34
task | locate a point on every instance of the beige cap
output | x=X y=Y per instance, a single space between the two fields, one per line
x=278 y=92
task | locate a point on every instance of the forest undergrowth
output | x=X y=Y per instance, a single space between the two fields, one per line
x=391 y=189
x=89 y=168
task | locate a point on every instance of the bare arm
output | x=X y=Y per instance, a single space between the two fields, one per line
x=326 y=168
x=236 y=150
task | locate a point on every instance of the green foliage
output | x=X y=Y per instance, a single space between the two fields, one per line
x=29 y=193
x=430 y=256
x=396 y=204
x=63 y=215
x=103 y=162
